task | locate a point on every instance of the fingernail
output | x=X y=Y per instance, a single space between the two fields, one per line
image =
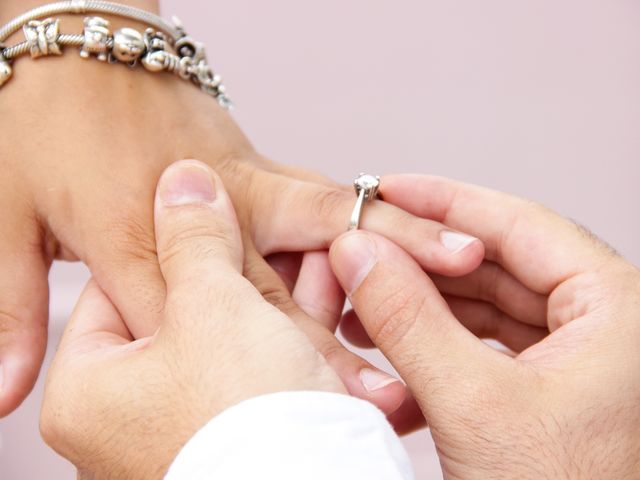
x=455 y=242
x=186 y=183
x=356 y=258
x=375 y=379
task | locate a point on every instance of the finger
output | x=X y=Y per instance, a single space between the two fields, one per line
x=127 y=271
x=24 y=302
x=94 y=333
x=517 y=234
x=298 y=173
x=287 y=265
x=197 y=233
x=493 y=284
x=484 y=320
x=95 y=323
x=409 y=321
x=309 y=216
x=359 y=377
x=114 y=236
x=317 y=291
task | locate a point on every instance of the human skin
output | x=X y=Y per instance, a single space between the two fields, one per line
x=219 y=342
x=83 y=144
x=566 y=405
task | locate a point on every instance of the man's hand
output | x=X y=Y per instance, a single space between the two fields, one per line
x=119 y=408
x=83 y=144
x=568 y=405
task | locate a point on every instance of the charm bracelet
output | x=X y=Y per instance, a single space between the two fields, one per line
x=163 y=46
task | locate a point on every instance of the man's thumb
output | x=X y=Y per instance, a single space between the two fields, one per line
x=407 y=318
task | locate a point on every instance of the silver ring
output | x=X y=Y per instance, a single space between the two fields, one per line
x=366 y=187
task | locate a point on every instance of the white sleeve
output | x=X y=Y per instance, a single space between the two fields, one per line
x=294 y=436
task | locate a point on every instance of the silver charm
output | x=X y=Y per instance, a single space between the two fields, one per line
x=205 y=76
x=158 y=58
x=155 y=61
x=128 y=45
x=5 y=68
x=96 y=38
x=155 y=40
x=366 y=187
x=224 y=101
x=161 y=60
x=185 y=68
x=179 y=26
x=189 y=47
x=5 y=72
x=42 y=37
x=190 y=63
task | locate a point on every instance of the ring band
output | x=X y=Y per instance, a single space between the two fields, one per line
x=366 y=187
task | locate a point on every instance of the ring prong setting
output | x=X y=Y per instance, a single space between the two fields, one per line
x=366 y=187
x=367 y=183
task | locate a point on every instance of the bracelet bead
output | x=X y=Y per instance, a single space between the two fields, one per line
x=42 y=37
x=5 y=71
x=128 y=45
x=96 y=37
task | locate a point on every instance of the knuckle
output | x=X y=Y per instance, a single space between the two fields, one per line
x=396 y=315
x=316 y=310
x=133 y=238
x=255 y=213
x=520 y=210
x=8 y=324
x=249 y=199
x=279 y=298
x=402 y=221
x=214 y=301
x=244 y=184
x=199 y=241
x=330 y=348
x=269 y=285
x=27 y=327
x=326 y=201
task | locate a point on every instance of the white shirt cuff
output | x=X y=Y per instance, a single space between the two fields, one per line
x=295 y=435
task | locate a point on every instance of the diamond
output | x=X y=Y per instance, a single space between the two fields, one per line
x=368 y=183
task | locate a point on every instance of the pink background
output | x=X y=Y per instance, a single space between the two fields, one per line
x=539 y=98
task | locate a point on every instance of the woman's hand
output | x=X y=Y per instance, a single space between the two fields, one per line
x=83 y=144
x=119 y=408
x=566 y=406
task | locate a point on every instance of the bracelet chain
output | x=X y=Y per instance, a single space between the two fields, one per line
x=162 y=46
